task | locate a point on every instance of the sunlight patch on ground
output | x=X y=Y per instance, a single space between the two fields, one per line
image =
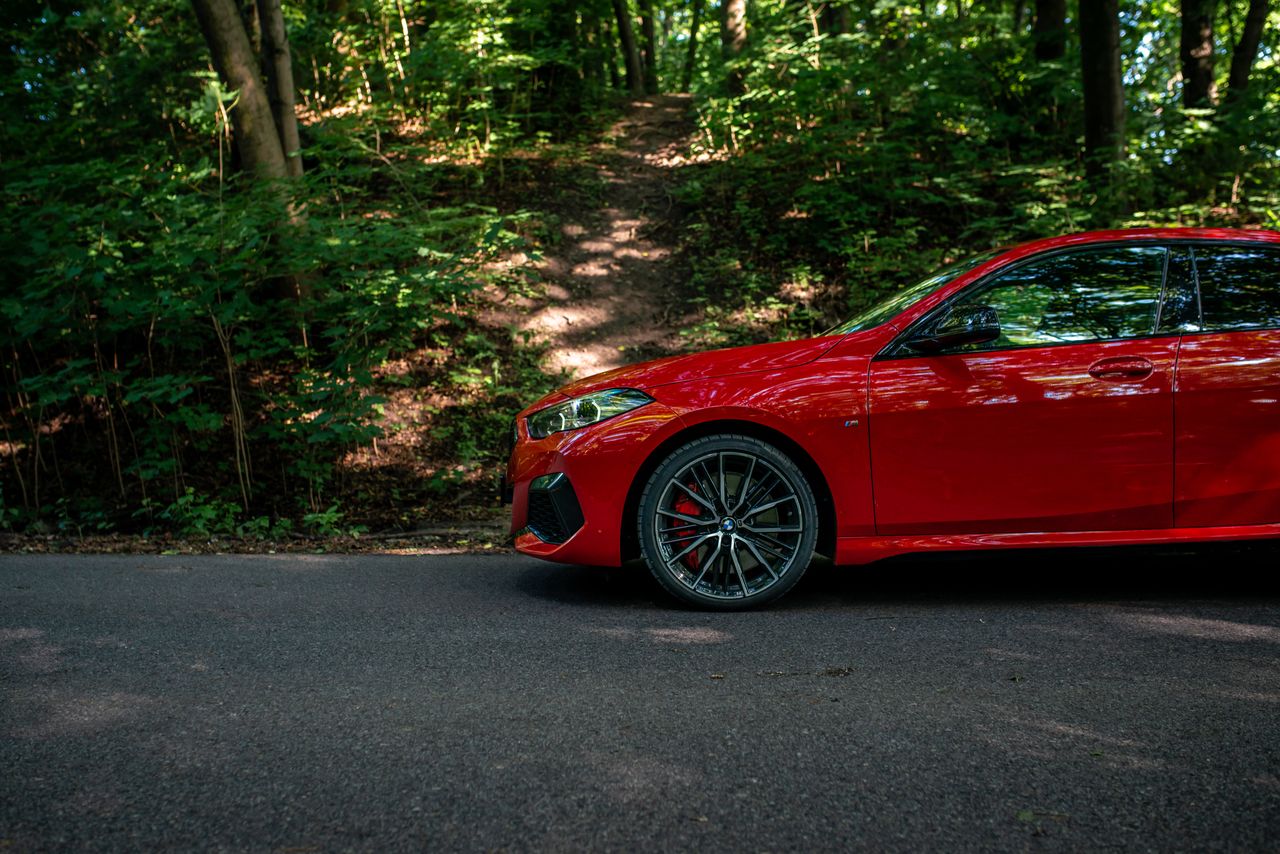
x=673 y=635
x=1200 y=628
x=640 y=778
x=69 y=715
x=1052 y=740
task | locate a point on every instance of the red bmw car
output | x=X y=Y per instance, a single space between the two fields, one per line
x=1103 y=388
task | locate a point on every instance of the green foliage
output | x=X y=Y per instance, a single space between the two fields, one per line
x=184 y=347
x=329 y=523
x=195 y=515
x=144 y=310
x=492 y=380
x=480 y=72
x=930 y=132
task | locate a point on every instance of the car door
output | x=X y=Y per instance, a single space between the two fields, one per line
x=1227 y=392
x=1063 y=423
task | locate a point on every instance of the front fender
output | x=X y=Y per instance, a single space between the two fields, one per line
x=820 y=407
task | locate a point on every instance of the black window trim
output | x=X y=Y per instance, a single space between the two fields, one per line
x=894 y=350
x=1164 y=290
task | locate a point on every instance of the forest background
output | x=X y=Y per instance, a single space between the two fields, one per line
x=286 y=270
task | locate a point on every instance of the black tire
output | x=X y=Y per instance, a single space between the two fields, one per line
x=727 y=522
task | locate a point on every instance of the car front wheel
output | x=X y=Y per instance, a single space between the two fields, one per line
x=727 y=522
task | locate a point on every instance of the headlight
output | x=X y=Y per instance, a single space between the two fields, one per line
x=588 y=409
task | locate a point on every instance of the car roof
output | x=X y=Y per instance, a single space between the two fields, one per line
x=1147 y=234
x=1017 y=252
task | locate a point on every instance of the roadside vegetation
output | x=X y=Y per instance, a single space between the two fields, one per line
x=271 y=270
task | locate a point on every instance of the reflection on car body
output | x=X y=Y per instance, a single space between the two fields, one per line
x=1103 y=388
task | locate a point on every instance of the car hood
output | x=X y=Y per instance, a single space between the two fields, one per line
x=715 y=363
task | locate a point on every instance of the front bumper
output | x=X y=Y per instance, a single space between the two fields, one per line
x=570 y=489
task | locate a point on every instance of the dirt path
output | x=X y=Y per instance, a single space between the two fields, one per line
x=607 y=298
x=608 y=281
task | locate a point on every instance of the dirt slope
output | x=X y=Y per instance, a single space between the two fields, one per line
x=608 y=282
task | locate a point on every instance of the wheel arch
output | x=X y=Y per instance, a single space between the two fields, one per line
x=826 y=545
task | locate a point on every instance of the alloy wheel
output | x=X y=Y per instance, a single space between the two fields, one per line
x=730 y=524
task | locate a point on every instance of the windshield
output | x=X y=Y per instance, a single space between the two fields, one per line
x=894 y=303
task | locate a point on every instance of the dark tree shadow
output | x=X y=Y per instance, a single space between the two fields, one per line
x=1236 y=572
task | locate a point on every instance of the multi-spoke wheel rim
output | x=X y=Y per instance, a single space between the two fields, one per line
x=729 y=525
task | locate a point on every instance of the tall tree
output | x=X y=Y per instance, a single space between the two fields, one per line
x=836 y=19
x=1196 y=52
x=258 y=139
x=557 y=83
x=733 y=39
x=1050 y=29
x=1246 y=50
x=1103 y=91
x=604 y=34
x=256 y=136
x=627 y=38
x=691 y=55
x=592 y=49
x=278 y=62
x=650 y=47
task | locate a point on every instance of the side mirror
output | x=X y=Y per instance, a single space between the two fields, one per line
x=964 y=324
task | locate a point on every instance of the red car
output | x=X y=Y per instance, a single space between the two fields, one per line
x=1094 y=389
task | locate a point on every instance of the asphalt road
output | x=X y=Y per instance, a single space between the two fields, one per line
x=1087 y=701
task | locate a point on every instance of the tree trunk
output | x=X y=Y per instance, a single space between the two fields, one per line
x=733 y=38
x=1246 y=50
x=1103 y=92
x=593 y=50
x=591 y=72
x=837 y=19
x=691 y=56
x=604 y=35
x=650 y=48
x=1050 y=29
x=557 y=87
x=1196 y=52
x=255 y=129
x=627 y=38
x=257 y=138
x=1019 y=16
x=277 y=60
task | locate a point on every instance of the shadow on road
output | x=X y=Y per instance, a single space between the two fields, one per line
x=1231 y=571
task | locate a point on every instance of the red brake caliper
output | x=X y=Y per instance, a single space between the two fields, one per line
x=688 y=507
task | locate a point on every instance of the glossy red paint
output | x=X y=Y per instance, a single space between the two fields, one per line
x=1024 y=440
x=600 y=461
x=1166 y=438
x=1227 y=412
x=763 y=358
x=790 y=392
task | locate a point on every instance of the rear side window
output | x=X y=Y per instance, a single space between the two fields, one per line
x=1239 y=286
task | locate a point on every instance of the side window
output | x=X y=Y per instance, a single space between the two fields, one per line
x=1089 y=295
x=1239 y=286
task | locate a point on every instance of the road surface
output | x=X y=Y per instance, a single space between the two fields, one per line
x=1081 y=701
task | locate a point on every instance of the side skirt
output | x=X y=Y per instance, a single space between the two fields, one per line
x=861 y=550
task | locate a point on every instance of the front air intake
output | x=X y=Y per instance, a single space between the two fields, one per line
x=554 y=512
